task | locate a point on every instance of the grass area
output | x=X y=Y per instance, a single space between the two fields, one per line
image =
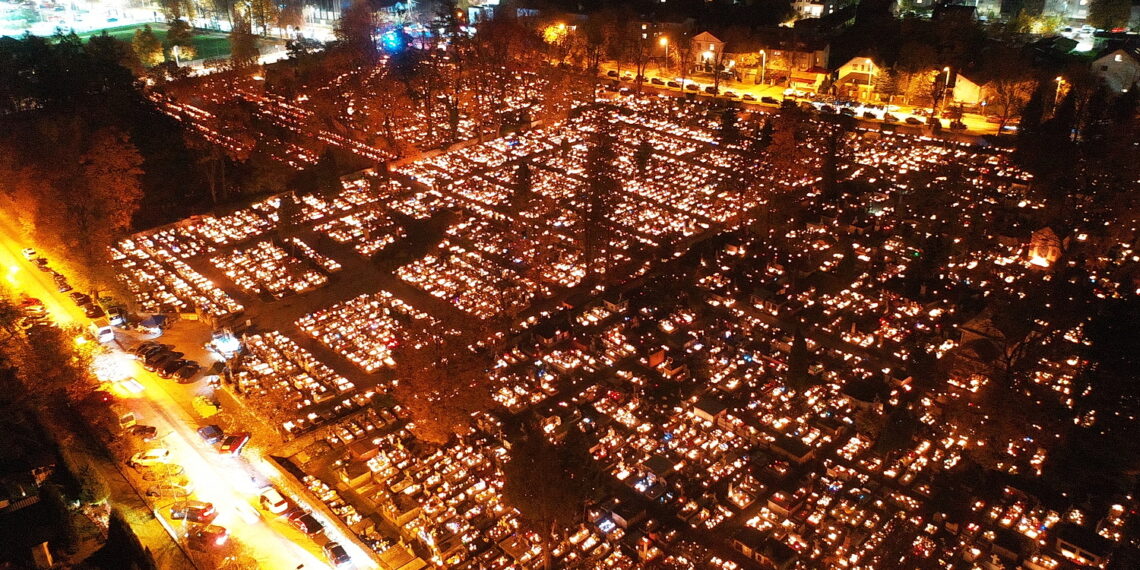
x=207 y=44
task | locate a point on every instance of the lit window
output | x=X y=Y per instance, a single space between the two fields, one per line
x=1118 y=58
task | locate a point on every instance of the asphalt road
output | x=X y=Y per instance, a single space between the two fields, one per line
x=231 y=483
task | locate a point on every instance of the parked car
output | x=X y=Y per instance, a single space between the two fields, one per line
x=913 y=121
x=168 y=369
x=272 y=501
x=93 y=311
x=848 y=111
x=693 y=87
x=710 y=90
x=173 y=490
x=194 y=511
x=164 y=472
x=305 y=522
x=656 y=81
x=730 y=94
x=147 y=347
x=673 y=84
x=336 y=554
x=211 y=434
x=62 y=286
x=29 y=253
x=869 y=115
x=207 y=536
x=826 y=109
x=160 y=357
x=769 y=100
x=887 y=117
x=144 y=432
x=611 y=73
x=149 y=457
x=232 y=444
x=187 y=372
x=80 y=299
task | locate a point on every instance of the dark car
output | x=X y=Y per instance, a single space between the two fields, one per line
x=869 y=115
x=730 y=95
x=232 y=444
x=748 y=97
x=80 y=299
x=336 y=554
x=164 y=354
x=693 y=87
x=769 y=100
x=168 y=369
x=913 y=121
x=847 y=111
x=186 y=373
x=306 y=523
x=711 y=90
x=207 y=536
x=147 y=347
x=93 y=311
x=211 y=434
x=62 y=286
x=655 y=81
x=194 y=511
x=673 y=84
x=890 y=118
x=611 y=73
x=826 y=109
x=149 y=352
x=159 y=359
x=144 y=432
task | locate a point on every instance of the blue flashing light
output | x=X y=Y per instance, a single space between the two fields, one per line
x=392 y=41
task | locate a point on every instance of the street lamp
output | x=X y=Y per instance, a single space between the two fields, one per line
x=870 y=78
x=763 y=66
x=1057 y=94
x=664 y=41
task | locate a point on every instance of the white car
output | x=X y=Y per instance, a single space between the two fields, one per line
x=29 y=253
x=272 y=501
x=149 y=457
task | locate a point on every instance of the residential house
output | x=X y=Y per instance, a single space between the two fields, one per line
x=856 y=78
x=819 y=8
x=1119 y=68
x=707 y=50
x=785 y=57
x=969 y=92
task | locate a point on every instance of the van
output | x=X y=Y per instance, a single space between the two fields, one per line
x=101 y=329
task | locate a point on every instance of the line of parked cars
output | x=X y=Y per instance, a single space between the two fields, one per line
x=163 y=360
x=90 y=308
x=275 y=503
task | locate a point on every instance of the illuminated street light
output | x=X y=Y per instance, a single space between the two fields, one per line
x=870 y=77
x=763 y=66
